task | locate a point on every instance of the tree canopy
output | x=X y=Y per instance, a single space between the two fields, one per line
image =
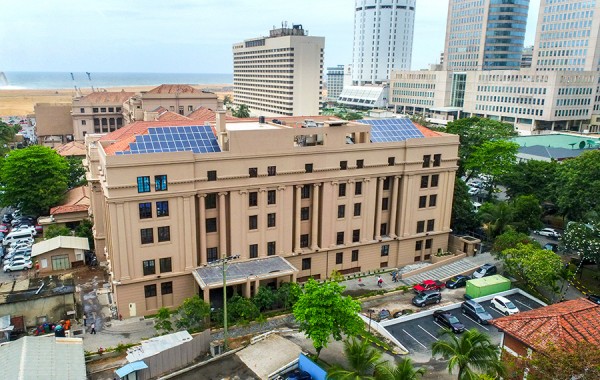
x=363 y=359
x=242 y=111
x=7 y=135
x=493 y=158
x=531 y=177
x=464 y=218
x=510 y=239
x=527 y=213
x=583 y=239
x=537 y=267
x=323 y=312
x=192 y=314
x=577 y=183
x=34 y=178
x=76 y=172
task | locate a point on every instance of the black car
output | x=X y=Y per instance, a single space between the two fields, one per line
x=7 y=218
x=447 y=319
x=476 y=311
x=551 y=247
x=457 y=282
x=298 y=374
x=594 y=298
x=485 y=270
x=427 y=298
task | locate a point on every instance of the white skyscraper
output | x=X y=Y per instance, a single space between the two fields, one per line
x=383 y=37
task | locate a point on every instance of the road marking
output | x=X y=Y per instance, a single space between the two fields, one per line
x=476 y=322
x=415 y=339
x=444 y=327
x=521 y=303
x=428 y=333
x=496 y=310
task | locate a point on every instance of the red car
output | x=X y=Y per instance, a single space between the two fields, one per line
x=429 y=285
x=3 y=229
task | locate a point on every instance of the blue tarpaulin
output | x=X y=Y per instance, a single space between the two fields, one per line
x=131 y=367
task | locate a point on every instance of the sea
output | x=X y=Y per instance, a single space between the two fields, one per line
x=16 y=80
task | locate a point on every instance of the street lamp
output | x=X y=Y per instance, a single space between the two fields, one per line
x=371 y=311
x=223 y=262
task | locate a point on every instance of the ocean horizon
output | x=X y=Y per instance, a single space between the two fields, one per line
x=21 y=80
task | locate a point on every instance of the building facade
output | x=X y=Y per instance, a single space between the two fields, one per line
x=279 y=75
x=342 y=196
x=98 y=112
x=383 y=39
x=485 y=34
x=335 y=82
x=54 y=125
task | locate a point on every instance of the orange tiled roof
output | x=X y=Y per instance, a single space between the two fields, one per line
x=174 y=89
x=76 y=200
x=171 y=116
x=426 y=131
x=73 y=148
x=563 y=323
x=108 y=97
x=203 y=114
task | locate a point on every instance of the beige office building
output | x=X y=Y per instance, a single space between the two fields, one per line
x=294 y=203
x=98 y=112
x=279 y=75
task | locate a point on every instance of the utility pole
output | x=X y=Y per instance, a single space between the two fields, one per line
x=224 y=261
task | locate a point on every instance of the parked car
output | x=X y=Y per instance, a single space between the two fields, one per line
x=476 y=311
x=429 y=285
x=551 y=247
x=504 y=305
x=485 y=270
x=298 y=374
x=383 y=315
x=427 y=298
x=548 y=232
x=473 y=190
x=594 y=298
x=448 y=320
x=18 y=265
x=3 y=228
x=457 y=282
x=19 y=256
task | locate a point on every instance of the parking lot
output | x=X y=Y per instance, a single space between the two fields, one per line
x=418 y=334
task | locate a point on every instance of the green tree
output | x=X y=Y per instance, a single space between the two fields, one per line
x=162 y=321
x=352 y=116
x=417 y=118
x=464 y=217
x=192 y=314
x=323 y=312
x=287 y=294
x=527 y=213
x=404 y=370
x=492 y=158
x=242 y=111
x=570 y=361
x=7 y=135
x=535 y=266
x=472 y=353
x=35 y=178
x=85 y=229
x=577 y=180
x=265 y=298
x=55 y=230
x=76 y=172
x=473 y=133
x=531 y=177
x=497 y=216
x=363 y=360
x=241 y=309
x=583 y=239
x=227 y=101
x=511 y=239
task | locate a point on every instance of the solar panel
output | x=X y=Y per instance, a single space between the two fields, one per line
x=392 y=130
x=198 y=139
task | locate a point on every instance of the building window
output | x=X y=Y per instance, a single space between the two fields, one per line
x=424 y=181
x=147 y=235
x=160 y=182
x=360 y=164
x=343 y=165
x=385 y=250
x=305 y=192
x=437 y=159
x=143 y=184
x=422 y=201
x=428 y=243
x=212 y=175
x=391 y=161
x=164 y=233
x=211 y=225
x=210 y=201
x=149 y=267
x=304 y=241
x=418 y=245
x=252 y=199
x=306 y=264
x=355 y=236
x=271 y=220
x=252 y=222
x=271 y=170
x=342 y=190
x=357 y=207
x=145 y=210
x=383 y=229
x=212 y=254
x=82 y=110
x=341 y=211
x=426 y=160
x=166 y=288
x=354 y=255
x=339 y=258
x=385 y=203
x=339 y=238
x=253 y=250
x=150 y=291
x=271 y=248
x=420 y=226
x=434 y=180
x=304 y=213
x=358 y=188
x=308 y=168
x=165 y=265
x=386 y=183
x=432 y=200
x=162 y=208
x=253 y=172
x=271 y=197
x=83 y=123
x=430 y=225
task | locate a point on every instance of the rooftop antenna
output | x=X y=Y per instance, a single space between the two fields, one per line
x=89 y=75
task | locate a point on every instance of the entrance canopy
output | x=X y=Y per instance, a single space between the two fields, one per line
x=131 y=367
x=239 y=272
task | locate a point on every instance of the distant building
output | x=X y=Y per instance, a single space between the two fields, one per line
x=60 y=253
x=98 y=112
x=383 y=39
x=335 y=82
x=72 y=149
x=280 y=74
x=54 y=124
x=365 y=97
x=526 y=57
x=554 y=146
x=71 y=212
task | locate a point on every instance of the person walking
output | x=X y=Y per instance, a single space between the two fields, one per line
x=379 y=281
x=93 y=326
x=84 y=320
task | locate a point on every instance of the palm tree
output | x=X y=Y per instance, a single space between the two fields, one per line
x=363 y=360
x=497 y=215
x=472 y=352
x=404 y=370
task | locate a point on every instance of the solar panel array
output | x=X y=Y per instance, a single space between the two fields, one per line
x=197 y=139
x=392 y=130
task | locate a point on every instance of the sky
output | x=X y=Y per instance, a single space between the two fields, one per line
x=186 y=36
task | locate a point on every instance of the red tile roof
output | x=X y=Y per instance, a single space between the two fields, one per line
x=76 y=200
x=203 y=114
x=73 y=148
x=171 y=116
x=100 y=97
x=174 y=89
x=563 y=323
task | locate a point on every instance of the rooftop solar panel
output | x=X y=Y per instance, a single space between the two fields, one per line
x=392 y=130
x=198 y=139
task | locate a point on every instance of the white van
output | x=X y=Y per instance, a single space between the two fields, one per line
x=18 y=235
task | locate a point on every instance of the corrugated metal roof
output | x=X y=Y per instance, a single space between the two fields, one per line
x=60 y=242
x=153 y=346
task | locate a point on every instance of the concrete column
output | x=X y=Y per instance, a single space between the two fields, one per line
x=222 y=225
x=243 y=223
x=262 y=222
x=394 y=207
x=448 y=200
x=378 y=208
x=314 y=234
x=408 y=182
x=189 y=232
x=206 y=295
x=331 y=237
x=247 y=287
x=281 y=223
x=236 y=216
x=202 y=221
x=349 y=211
x=122 y=255
x=366 y=215
x=297 y=221
x=256 y=286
